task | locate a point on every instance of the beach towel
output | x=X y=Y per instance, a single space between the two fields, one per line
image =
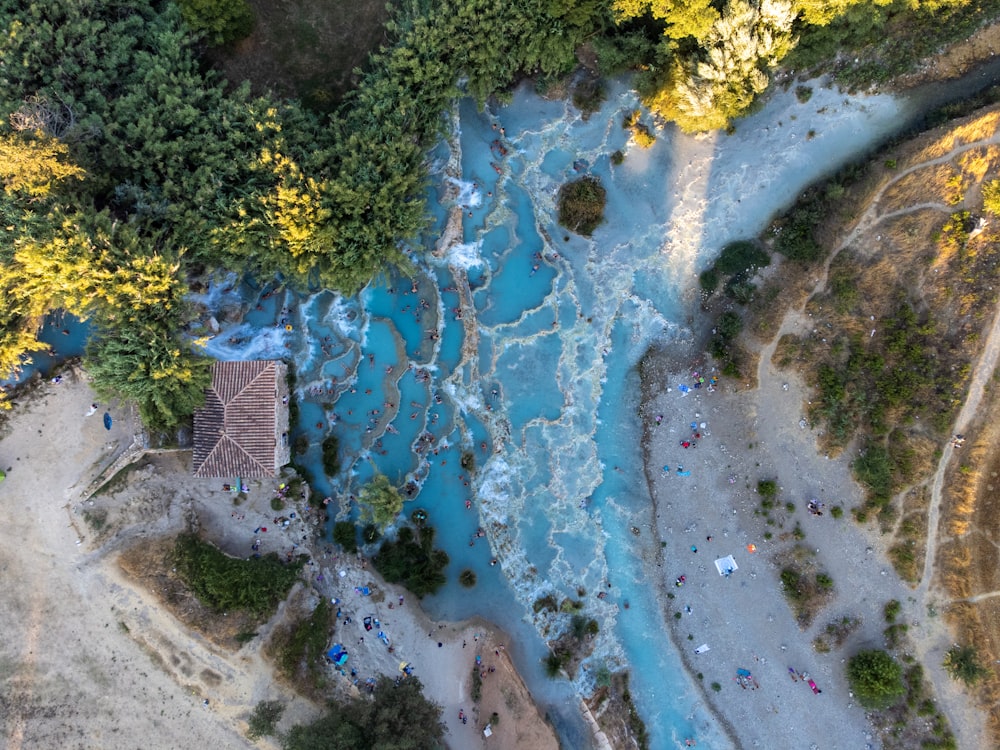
x=726 y=565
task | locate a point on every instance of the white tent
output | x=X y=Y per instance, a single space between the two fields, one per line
x=726 y=565
x=701 y=649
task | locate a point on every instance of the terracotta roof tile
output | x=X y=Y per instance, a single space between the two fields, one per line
x=236 y=432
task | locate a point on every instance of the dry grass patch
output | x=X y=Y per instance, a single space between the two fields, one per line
x=969 y=130
x=925 y=185
x=980 y=161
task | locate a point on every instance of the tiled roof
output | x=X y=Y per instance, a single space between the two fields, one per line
x=236 y=432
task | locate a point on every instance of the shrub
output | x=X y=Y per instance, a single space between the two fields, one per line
x=741 y=257
x=581 y=205
x=413 y=561
x=222 y=21
x=803 y=93
x=962 y=663
x=467 y=578
x=617 y=158
x=891 y=610
x=264 y=719
x=331 y=456
x=588 y=96
x=708 y=280
x=716 y=687
x=767 y=488
x=836 y=511
x=345 y=534
x=876 y=678
x=873 y=469
x=277 y=504
x=553 y=664
x=729 y=325
x=991 y=197
x=225 y=583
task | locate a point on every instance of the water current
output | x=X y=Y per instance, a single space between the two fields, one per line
x=517 y=346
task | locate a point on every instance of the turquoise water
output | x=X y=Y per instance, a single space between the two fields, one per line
x=66 y=336
x=541 y=389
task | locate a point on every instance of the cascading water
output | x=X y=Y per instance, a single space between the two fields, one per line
x=514 y=349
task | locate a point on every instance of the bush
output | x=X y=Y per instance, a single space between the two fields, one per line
x=962 y=663
x=222 y=21
x=264 y=719
x=617 y=158
x=767 y=488
x=803 y=93
x=581 y=205
x=741 y=257
x=873 y=469
x=836 y=511
x=892 y=610
x=398 y=709
x=467 y=578
x=729 y=325
x=876 y=678
x=345 y=534
x=412 y=561
x=708 y=280
x=331 y=456
x=225 y=583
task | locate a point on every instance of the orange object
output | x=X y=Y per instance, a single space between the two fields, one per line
x=751 y=548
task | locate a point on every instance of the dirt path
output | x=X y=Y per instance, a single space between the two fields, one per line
x=931 y=636
x=981 y=375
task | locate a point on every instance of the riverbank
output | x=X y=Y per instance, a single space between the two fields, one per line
x=83 y=630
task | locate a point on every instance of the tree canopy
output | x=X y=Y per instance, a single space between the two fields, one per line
x=876 y=678
x=127 y=166
x=382 y=502
x=397 y=717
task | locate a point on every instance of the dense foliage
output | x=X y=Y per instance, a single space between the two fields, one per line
x=398 y=717
x=226 y=583
x=380 y=501
x=299 y=647
x=120 y=155
x=264 y=719
x=876 y=678
x=412 y=561
x=962 y=663
x=581 y=205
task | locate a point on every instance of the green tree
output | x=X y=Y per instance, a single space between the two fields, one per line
x=413 y=561
x=382 y=502
x=962 y=663
x=398 y=717
x=581 y=205
x=222 y=21
x=264 y=719
x=876 y=678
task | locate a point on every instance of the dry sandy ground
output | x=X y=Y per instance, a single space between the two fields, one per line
x=762 y=433
x=89 y=659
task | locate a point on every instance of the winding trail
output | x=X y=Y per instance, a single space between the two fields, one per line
x=935 y=635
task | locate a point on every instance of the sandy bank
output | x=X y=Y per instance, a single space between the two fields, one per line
x=92 y=658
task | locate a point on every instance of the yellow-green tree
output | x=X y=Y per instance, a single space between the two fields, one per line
x=382 y=502
x=707 y=91
x=31 y=164
x=682 y=18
